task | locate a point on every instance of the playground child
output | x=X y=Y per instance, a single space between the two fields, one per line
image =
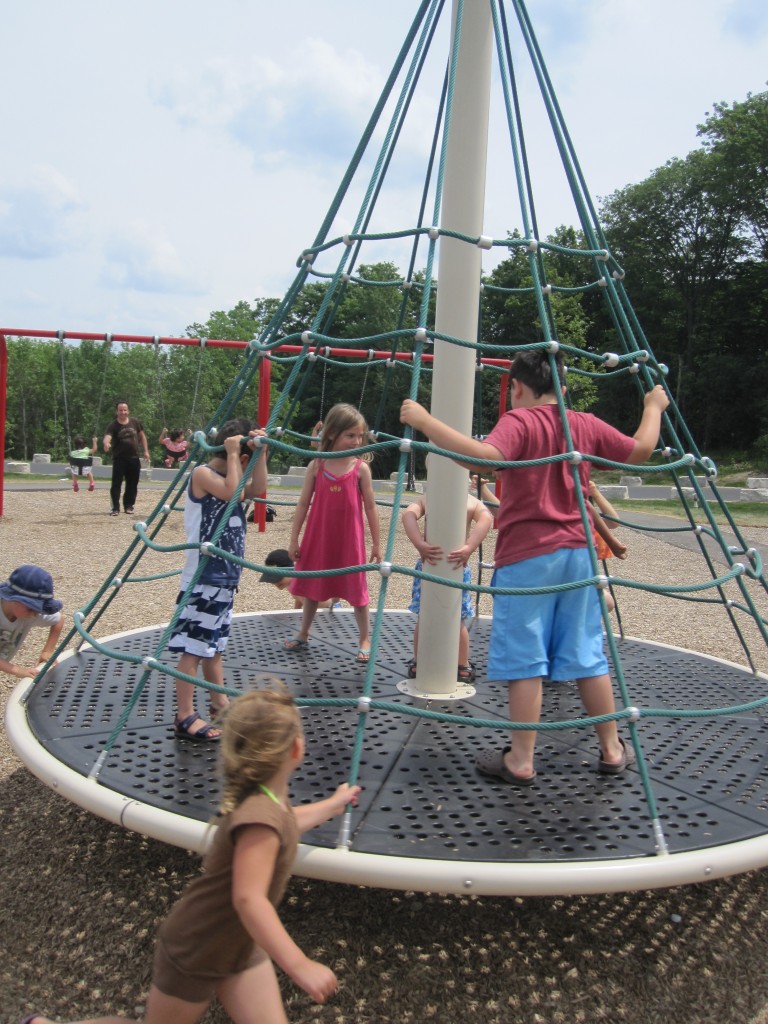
x=202 y=630
x=224 y=936
x=279 y=558
x=476 y=482
x=604 y=550
x=541 y=543
x=479 y=522
x=335 y=495
x=27 y=602
x=81 y=461
x=176 y=446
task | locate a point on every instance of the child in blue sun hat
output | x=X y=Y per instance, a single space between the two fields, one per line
x=26 y=603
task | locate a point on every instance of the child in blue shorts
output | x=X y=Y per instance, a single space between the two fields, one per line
x=541 y=543
x=479 y=522
x=202 y=630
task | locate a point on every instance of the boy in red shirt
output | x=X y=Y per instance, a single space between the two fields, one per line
x=541 y=543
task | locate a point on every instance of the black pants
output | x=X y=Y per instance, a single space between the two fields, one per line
x=129 y=469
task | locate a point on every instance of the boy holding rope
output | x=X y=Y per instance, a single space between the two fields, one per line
x=541 y=543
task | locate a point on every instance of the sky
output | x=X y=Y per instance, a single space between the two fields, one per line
x=163 y=159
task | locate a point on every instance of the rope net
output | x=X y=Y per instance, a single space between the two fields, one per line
x=395 y=362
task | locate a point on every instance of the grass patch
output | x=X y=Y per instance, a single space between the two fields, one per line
x=743 y=513
x=36 y=477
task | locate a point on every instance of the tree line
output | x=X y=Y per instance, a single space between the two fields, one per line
x=692 y=239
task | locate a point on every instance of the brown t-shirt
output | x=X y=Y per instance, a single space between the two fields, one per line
x=125 y=437
x=203 y=934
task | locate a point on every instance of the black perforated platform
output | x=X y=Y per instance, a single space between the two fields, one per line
x=422 y=796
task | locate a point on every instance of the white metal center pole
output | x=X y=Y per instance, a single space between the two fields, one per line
x=453 y=381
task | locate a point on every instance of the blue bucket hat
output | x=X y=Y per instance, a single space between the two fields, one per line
x=31 y=586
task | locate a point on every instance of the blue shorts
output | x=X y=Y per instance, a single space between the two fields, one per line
x=203 y=626
x=558 y=635
x=466 y=595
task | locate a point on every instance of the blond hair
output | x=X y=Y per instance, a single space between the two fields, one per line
x=259 y=729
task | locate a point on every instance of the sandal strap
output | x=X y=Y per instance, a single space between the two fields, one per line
x=183 y=726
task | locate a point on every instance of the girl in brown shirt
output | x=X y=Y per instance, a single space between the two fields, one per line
x=223 y=935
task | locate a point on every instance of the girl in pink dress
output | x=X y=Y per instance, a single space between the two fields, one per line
x=335 y=495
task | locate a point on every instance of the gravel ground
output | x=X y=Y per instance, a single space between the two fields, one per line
x=82 y=898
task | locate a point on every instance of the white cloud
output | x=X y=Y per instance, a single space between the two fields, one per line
x=310 y=105
x=139 y=257
x=223 y=161
x=747 y=19
x=37 y=218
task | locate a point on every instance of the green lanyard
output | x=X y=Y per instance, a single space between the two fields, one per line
x=268 y=792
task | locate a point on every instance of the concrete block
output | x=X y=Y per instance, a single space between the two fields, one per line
x=97 y=461
x=615 y=492
x=757 y=482
x=17 y=467
x=297 y=470
x=753 y=494
x=630 y=481
x=39 y=457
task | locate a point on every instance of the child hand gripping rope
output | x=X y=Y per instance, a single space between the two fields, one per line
x=224 y=935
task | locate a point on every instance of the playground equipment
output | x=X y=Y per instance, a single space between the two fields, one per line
x=97 y=726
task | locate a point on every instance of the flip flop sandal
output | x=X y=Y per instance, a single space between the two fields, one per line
x=466 y=673
x=363 y=656
x=181 y=730
x=608 y=768
x=296 y=644
x=411 y=668
x=491 y=764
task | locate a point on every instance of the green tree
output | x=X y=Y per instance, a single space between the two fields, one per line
x=372 y=303
x=676 y=233
x=737 y=138
x=511 y=314
x=204 y=376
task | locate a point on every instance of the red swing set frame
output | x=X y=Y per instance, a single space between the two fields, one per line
x=263 y=405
